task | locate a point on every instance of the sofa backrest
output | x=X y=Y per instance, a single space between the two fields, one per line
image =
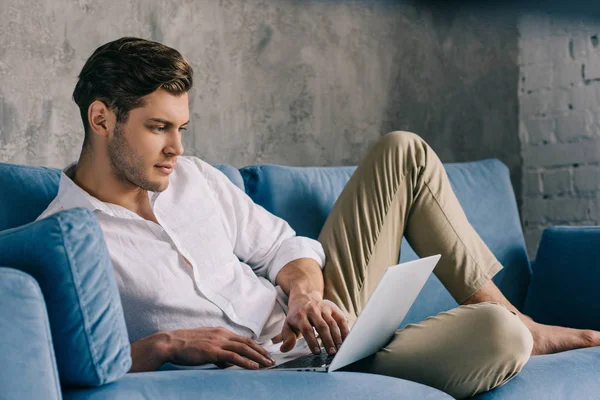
x=26 y=191
x=304 y=197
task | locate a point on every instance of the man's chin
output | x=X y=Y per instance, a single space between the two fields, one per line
x=160 y=186
x=157 y=185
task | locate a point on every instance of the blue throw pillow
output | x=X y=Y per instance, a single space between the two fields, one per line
x=67 y=255
x=566 y=278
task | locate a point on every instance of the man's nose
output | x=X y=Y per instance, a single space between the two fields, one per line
x=175 y=147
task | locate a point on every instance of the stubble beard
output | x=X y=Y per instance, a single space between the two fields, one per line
x=127 y=165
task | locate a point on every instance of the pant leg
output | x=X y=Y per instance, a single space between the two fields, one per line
x=399 y=188
x=464 y=351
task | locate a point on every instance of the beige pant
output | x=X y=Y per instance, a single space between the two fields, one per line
x=401 y=188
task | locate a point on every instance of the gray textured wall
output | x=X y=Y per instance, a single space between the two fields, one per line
x=290 y=82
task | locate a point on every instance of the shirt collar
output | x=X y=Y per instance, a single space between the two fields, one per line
x=71 y=195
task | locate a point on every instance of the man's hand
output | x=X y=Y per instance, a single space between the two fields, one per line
x=306 y=311
x=196 y=347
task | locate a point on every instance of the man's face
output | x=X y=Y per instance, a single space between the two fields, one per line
x=144 y=150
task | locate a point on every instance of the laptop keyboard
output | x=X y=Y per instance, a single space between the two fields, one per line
x=308 y=361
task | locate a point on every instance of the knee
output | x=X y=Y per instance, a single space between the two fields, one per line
x=509 y=342
x=402 y=146
x=402 y=139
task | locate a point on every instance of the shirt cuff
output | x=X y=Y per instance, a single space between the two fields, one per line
x=294 y=248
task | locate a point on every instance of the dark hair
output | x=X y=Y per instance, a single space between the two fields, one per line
x=120 y=72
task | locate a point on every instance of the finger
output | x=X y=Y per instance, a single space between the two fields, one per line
x=248 y=352
x=230 y=357
x=289 y=338
x=307 y=331
x=324 y=332
x=253 y=345
x=342 y=323
x=223 y=365
x=277 y=339
x=333 y=329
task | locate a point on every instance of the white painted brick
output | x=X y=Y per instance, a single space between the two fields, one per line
x=579 y=44
x=539 y=130
x=571 y=126
x=586 y=178
x=538 y=76
x=532 y=183
x=556 y=181
x=533 y=52
x=579 y=98
x=538 y=103
x=595 y=210
x=561 y=154
x=567 y=209
x=584 y=97
x=591 y=67
x=562 y=101
x=592 y=118
x=534 y=211
x=567 y=73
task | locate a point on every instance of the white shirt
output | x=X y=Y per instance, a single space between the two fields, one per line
x=236 y=249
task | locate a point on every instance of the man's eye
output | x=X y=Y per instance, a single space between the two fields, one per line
x=161 y=128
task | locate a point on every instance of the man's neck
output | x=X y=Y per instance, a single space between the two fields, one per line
x=97 y=179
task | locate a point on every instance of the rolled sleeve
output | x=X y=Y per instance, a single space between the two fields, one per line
x=262 y=240
x=292 y=249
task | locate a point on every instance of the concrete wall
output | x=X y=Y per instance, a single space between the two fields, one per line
x=560 y=123
x=290 y=82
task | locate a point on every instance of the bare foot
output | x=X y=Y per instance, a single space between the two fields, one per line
x=548 y=339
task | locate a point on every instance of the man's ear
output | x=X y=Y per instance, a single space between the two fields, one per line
x=101 y=119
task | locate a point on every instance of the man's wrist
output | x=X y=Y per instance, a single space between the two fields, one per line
x=299 y=294
x=149 y=353
x=163 y=346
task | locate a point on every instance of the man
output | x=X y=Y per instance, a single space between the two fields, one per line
x=208 y=277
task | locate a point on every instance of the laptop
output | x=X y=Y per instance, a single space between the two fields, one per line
x=384 y=312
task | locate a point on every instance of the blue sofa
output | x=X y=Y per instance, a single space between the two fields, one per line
x=34 y=336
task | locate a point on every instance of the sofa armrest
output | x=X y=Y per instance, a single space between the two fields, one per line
x=566 y=278
x=28 y=369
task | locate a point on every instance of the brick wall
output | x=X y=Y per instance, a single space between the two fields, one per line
x=559 y=93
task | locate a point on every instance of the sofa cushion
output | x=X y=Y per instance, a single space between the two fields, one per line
x=562 y=376
x=237 y=385
x=304 y=197
x=232 y=173
x=67 y=255
x=25 y=340
x=566 y=278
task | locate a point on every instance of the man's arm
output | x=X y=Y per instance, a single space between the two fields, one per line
x=196 y=347
x=302 y=281
x=269 y=245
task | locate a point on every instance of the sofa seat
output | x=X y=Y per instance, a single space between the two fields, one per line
x=241 y=384
x=573 y=374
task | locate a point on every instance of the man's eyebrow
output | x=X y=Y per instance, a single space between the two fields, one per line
x=166 y=122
